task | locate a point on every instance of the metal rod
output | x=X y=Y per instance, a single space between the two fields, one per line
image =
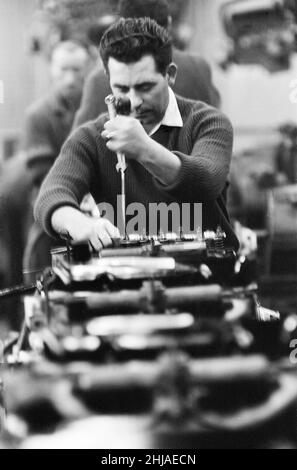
x=147 y=374
x=17 y=290
x=123 y=201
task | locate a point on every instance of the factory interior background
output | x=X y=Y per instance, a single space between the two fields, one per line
x=254 y=67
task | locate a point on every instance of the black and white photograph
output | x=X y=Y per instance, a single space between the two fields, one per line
x=148 y=227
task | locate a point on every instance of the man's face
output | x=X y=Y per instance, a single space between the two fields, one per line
x=146 y=88
x=68 y=71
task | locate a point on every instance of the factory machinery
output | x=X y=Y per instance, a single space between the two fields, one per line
x=157 y=342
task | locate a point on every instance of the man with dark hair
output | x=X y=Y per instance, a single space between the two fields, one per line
x=194 y=75
x=129 y=49
x=178 y=150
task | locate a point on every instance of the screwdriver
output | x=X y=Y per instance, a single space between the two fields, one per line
x=124 y=107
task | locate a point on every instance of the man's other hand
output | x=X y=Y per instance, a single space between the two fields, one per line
x=98 y=231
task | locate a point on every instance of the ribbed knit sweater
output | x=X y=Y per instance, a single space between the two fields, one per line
x=203 y=144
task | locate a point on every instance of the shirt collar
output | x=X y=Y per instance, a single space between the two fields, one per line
x=172 y=116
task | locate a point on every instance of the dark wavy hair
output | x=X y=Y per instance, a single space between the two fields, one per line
x=130 y=39
x=157 y=10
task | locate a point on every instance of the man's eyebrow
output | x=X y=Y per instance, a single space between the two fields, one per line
x=137 y=85
x=146 y=83
x=120 y=85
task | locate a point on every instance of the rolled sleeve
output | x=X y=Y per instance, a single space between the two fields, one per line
x=68 y=180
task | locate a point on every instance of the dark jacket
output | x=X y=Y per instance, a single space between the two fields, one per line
x=48 y=123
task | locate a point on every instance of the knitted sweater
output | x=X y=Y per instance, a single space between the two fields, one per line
x=203 y=144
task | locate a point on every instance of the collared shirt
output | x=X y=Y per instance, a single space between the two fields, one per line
x=172 y=116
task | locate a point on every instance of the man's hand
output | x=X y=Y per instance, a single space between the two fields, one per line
x=98 y=231
x=126 y=135
x=247 y=239
x=88 y=206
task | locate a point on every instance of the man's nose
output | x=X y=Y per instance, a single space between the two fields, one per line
x=135 y=100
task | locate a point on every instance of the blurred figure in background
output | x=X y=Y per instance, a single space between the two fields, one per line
x=47 y=125
x=194 y=75
x=15 y=191
x=49 y=120
x=97 y=29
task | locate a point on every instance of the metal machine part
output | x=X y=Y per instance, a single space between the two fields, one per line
x=141 y=257
x=144 y=334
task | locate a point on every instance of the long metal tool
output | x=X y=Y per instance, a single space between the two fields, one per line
x=121 y=165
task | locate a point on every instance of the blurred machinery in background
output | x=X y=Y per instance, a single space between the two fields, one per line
x=257 y=172
x=263 y=196
x=69 y=19
x=156 y=343
x=261 y=32
x=264 y=187
x=84 y=20
x=286 y=156
x=161 y=342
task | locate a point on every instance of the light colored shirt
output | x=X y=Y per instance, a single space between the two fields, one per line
x=172 y=116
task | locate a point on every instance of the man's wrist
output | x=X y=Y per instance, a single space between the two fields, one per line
x=160 y=162
x=147 y=151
